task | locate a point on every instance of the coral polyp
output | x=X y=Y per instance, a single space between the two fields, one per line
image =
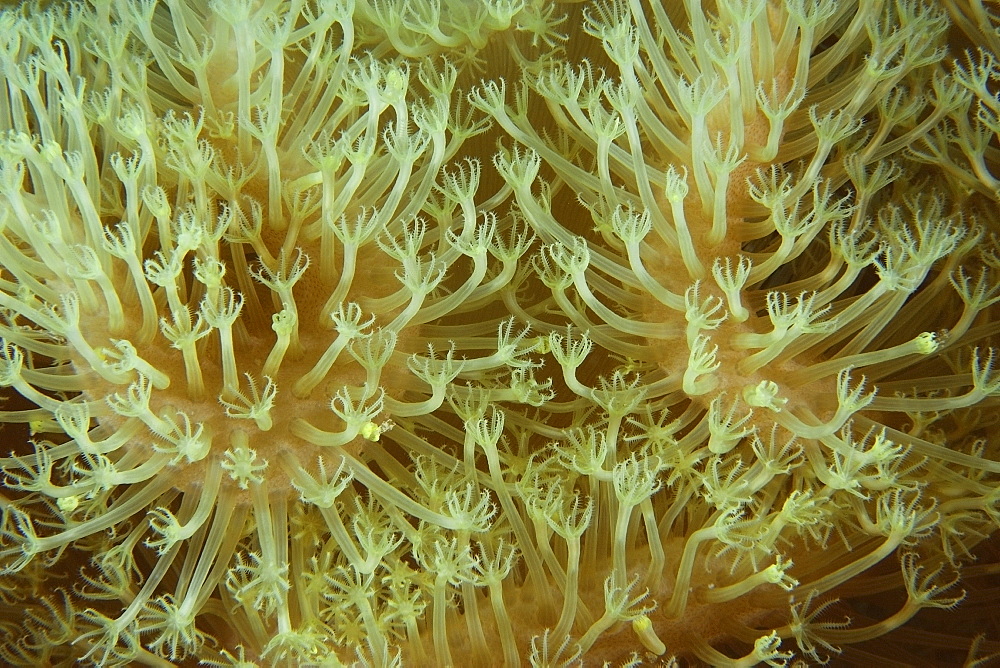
x=349 y=332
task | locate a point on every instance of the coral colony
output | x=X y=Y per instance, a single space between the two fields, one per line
x=499 y=332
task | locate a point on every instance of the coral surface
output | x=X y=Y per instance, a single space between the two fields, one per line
x=499 y=332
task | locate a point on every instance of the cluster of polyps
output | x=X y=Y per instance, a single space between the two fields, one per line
x=288 y=341
x=217 y=275
x=799 y=340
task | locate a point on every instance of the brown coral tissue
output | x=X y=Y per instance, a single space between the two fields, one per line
x=499 y=333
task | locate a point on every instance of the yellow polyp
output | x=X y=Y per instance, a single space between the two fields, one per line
x=371 y=432
x=68 y=504
x=643 y=628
